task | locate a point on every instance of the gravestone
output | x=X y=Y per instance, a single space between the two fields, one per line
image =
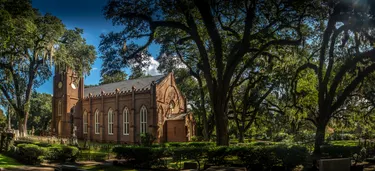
x=342 y=164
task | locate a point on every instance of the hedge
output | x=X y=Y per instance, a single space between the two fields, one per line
x=62 y=153
x=337 y=151
x=35 y=154
x=30 y=153
x=141 y=157
x=253 y=157
x=188 y=144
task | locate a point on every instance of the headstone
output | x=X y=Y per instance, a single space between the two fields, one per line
x=342 y=164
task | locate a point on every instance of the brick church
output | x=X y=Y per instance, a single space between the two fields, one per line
x=120 y=112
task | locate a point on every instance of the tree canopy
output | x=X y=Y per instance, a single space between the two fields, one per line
x=31 y=45
x=227 y=35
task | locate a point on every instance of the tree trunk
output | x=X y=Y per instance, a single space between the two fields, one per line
x=319 y=139
x=222 y=138
x=25 y=123
x=241 y=135
x=20 y=128
x=9 y=120
x=203 y=109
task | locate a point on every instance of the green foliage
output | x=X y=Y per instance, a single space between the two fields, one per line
x=280 y=137
x=147 y=139
x=6 y=140
x=44 y=41
x=249 y=156
x=88 y=155
x=339 y=151
x=3 y=119
x=16 y=142
x=137 y=72
x=30 y=153
x=40 y=115
x=62 y=153
x=113 y=77
x=141 y=157
x=188 y=144
x=218 y=42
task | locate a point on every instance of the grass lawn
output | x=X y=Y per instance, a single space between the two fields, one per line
x=7 y=162
x=105 y=167
x=345 y=142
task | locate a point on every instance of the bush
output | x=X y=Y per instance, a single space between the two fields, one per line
x=92 y=155
x=30 y=153
x=189 y=144
x=141 y=157
x=6 y=140
x=253 y=157
x=291 y=156
x=147 y=139
x=337 y=151
x=16 y=142
x=62 y=153
x=43 y=144
x=187 y=153
x=224 y=155
x=264 y=158
x=280 y=137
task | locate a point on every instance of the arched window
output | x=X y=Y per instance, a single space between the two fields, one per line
x=59 y=108
x=125 y=118
x=97 y=131
x=143 y=119
x=110 y=122
x=85 y=122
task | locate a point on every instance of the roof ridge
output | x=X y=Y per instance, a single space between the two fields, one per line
x=126 y=80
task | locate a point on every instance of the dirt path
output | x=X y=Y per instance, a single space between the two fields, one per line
x=29 y=168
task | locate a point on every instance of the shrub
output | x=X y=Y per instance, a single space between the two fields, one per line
x=224 y=155
x=336 y=151
x=16 y=142
x=264 y=158
x=6 y=140
x=43 y=144
x=147 y=139
x=62 y=153
x=280 y=137
x=291 y=156
x=196 y=138
x=190 y=153
x=189 y=144
x=141 y=157
x=92 y=155
x=30 y=153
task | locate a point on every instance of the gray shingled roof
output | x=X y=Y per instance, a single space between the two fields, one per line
x=123 y=85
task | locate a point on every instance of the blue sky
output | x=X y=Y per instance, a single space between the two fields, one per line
x=85 y=14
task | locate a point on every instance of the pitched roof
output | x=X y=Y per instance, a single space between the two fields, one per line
x=124 y=85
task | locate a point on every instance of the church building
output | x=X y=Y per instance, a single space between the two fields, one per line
x=120 y=112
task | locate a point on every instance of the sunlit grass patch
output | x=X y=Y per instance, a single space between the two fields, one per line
x=7 y=162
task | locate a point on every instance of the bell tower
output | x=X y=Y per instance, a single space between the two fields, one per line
x=67 y=92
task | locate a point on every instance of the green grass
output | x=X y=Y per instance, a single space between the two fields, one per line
x=7 y=162
x=345 y=143
x=105 y=167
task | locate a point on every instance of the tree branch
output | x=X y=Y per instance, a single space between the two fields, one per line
x=350 y=88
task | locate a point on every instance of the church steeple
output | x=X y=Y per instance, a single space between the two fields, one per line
x=67 y=92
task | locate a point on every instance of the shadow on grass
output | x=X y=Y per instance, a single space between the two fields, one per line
x=105 y=167
x=7 y=162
